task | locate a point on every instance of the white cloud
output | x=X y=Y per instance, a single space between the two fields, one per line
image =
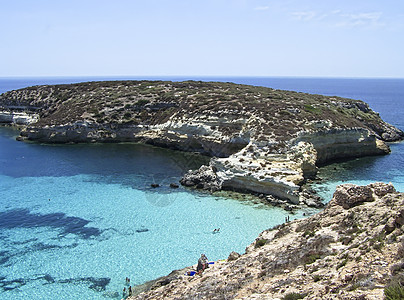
x=304 y=15
x=261 y=8
x=339 y=19
x=361 y=20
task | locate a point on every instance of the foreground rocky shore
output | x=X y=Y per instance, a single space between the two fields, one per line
x=261 y=140
x=353 y=249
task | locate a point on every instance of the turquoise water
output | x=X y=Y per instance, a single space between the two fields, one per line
x=362 y=171
x=75 y=220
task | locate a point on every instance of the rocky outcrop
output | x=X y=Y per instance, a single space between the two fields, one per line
x=335 y=143
x=353 y=249
x=262 y=140
x=17 y=118
x=256 y=169
x=204 y=178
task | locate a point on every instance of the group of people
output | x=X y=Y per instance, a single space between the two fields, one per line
x=216 y=230
x=127 y=292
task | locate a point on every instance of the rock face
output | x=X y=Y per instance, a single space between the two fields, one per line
x=353 y=249
x=204 y=178
x=262 y=140
x=17 y=118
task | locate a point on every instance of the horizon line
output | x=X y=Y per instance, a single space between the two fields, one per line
x=192 y=77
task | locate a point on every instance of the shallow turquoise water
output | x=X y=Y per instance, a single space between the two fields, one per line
x=362 y=171
x=75 y=220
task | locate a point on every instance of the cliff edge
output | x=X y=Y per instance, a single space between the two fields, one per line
x=353 y=249
x=262 y=140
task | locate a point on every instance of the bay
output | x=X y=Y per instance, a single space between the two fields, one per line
x=75 y=220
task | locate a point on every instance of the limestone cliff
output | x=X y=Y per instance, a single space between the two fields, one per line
x=353 y=249
x=263 y=140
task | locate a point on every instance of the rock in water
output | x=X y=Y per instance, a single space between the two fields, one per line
x=203 y=178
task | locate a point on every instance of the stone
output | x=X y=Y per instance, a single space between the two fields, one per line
x=399 y=220
x=203 y=178
x=381 y=189
x=350 y=195
x=233 y=256
x=174 y=185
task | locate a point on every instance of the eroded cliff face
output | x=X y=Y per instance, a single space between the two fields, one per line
x=257 y=169
x=353 y=249
x=262 y=140
x=17 y=118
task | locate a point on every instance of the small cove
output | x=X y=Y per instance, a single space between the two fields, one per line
x=78 y=219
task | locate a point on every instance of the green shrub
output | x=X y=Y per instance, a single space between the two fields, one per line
x=342 y=263
x=142 y=102
x=309 y=233
x=311 y=109
x=312 y=258
x=293 y=296
x=260 y=243
x=394 y=292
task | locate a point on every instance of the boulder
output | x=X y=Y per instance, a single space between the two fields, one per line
x=233 y=256
x=381 y=189
x=350 y=195
x=203 y=178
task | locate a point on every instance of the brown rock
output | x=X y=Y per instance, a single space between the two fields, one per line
x=350 y=195
x=233 y=256
x=382 y=189
x=400 y=218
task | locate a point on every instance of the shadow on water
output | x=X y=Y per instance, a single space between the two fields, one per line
x=386 y=168
x=23 y=218
x=94 y=283
x=121 y=163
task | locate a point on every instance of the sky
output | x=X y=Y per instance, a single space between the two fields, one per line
x=311 y=38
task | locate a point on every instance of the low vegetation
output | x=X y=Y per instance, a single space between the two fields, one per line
x=276 y=112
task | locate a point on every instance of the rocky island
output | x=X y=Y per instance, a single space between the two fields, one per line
x=261 y=140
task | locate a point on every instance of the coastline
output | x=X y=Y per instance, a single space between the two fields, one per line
x=338 y=252
x=263 y=141
x=381 y=159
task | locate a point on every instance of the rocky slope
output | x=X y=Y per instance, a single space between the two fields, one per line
x=263 y=140
x=353 y=249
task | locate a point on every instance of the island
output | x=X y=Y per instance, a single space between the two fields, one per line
x=261 y=140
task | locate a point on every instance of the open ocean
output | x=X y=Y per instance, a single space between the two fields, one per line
x=76 y=220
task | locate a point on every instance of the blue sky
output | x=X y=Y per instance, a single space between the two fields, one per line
x=344 y=38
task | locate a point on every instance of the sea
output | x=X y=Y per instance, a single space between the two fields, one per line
x=77 y=220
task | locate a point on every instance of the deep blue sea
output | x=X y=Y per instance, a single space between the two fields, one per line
x=76 y=220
